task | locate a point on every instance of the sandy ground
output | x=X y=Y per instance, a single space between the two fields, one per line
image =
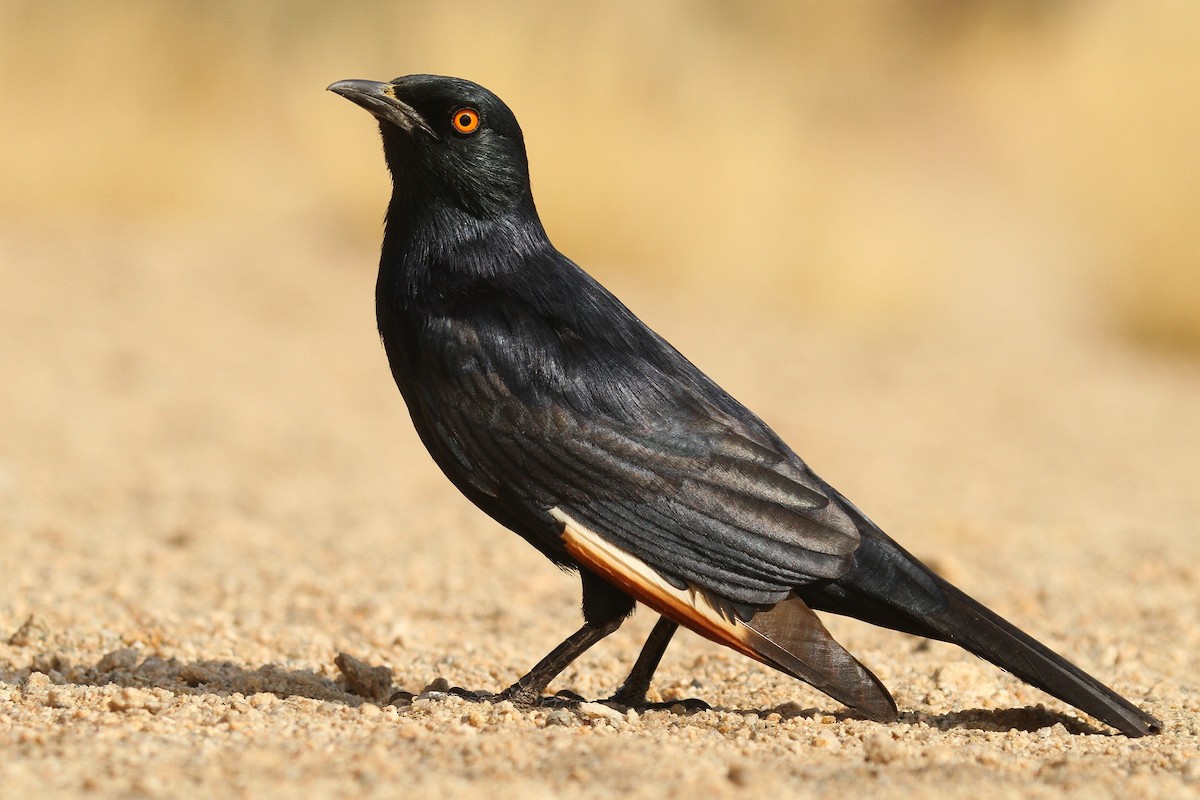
x=209 y=489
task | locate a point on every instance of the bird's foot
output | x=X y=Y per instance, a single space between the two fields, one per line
x=564 y=698
x=404 y=698
x=625 y=697
x=474 y=697
x=639 y=703
x=526 y=697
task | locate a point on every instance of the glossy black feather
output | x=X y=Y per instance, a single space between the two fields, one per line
x=536 y=387
x=535 y=390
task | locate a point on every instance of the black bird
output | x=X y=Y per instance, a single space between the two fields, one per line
x=561 y=415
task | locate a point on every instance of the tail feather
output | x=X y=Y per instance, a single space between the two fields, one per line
x=791 y=638
x=887 y=586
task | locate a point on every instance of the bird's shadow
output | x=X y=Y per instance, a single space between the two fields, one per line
x=998 y=720
x=1026 y=718
x=128 y=668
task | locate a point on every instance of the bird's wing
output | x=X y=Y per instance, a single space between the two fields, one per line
x=637 y=447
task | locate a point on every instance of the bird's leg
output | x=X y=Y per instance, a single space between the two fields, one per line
x=633 y=691
x=604 y=609
x=528 y=690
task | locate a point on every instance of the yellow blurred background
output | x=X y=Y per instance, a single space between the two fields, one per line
x=884 y=163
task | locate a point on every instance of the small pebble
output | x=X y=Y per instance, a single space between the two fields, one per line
x=790 y=709
x=58 y=697
x=880 y=748
x=439 y=684
x=738 y=775
x=125 y=659
x=429 y=697
x=599 y=711
x=30 y=633
x=263 y=700
x=36 y=682
x=559 y=716
x=364 y=680
x=129 y=699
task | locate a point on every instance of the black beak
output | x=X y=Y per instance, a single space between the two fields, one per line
x=380 y=100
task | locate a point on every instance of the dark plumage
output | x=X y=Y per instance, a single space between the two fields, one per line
x=557 y=412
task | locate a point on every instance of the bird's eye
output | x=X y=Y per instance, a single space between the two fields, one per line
x=465 y=120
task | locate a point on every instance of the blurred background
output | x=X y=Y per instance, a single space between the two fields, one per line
x=880 y=163
x=927 y=200
x=933 y=200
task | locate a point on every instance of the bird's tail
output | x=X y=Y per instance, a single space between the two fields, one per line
x=888 y=586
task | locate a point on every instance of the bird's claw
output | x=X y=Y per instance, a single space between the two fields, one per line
x=474 y=697
x=690 y=704
x=524 y=697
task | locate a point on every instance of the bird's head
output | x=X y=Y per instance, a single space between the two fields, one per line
x=447 y=141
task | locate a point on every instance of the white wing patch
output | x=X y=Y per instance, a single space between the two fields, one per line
x=689 y=607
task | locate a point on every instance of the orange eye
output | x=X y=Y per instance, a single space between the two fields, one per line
x=465 y=120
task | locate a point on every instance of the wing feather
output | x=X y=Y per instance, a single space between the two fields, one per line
x=626 y=435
